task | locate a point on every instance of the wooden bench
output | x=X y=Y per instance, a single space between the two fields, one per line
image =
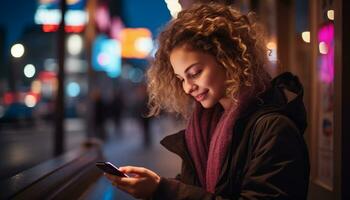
x=64 y=177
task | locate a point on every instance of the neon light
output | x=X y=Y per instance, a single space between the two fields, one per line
x=323 y=48
x=9 y=98
x=116 y=28
x=136 y=42
x=50 y=28
x=46 y=16
x=103 y=59
x=49 y=15
x=47 y=76
x=326 y=37
x=106 y=56
x=73 y=89
x=102 y=18
x=74 y=29
x=75 y=17
x=53 y=17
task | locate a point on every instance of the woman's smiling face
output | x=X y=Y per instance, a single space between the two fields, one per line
x=201 y=75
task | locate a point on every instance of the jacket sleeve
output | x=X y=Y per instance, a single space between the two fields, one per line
x=172 y=189
x=279 y=166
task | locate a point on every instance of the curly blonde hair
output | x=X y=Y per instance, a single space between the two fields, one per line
x=236 y=41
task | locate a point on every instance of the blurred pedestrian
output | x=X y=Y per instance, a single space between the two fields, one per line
x=100 y=115
x=116 y=110
x=141 y=113
x=244 y=136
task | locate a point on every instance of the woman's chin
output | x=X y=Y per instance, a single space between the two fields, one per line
x=206 y=104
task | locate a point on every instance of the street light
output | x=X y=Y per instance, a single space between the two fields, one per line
x=17 y=50
x=74 y=44
x=29 y=70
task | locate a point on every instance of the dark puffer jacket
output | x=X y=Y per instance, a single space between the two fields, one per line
x=267 y=159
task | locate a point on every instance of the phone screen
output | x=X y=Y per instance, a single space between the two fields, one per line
x=110 y=169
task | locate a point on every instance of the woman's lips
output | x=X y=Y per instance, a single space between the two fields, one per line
x=201 y=96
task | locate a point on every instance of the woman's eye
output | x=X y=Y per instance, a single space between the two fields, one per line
x=179 y=78
x=195 y=74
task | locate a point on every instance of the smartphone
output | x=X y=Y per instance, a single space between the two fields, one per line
x=110 y=169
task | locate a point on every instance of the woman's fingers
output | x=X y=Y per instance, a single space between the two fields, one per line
x=121 y=181
x=112 y=177
x=143 y=184
x=141 y=171
x=125 y=184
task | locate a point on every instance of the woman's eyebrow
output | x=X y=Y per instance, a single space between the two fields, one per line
x=189 y=67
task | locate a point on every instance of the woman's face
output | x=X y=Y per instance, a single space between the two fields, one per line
x=201 y=75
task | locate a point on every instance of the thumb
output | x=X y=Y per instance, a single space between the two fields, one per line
x=141 y=171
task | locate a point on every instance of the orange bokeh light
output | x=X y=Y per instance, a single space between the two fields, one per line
x=128 y=38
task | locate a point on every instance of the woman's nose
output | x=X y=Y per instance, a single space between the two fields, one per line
x=189 y=87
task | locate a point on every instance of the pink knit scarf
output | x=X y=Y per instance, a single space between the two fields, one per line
x=208 y=136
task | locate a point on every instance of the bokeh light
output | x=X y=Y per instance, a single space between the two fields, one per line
x=17 y=50
x=330 y=14
x=74 y=44
x=73 y=89
x=30 y=100
x=36 y=87
x=306 y=36
x=29 y=70
x=323 y=48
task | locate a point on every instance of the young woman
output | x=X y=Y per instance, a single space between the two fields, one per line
x=244 y=136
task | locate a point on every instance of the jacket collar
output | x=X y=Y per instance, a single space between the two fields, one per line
x=176 y=143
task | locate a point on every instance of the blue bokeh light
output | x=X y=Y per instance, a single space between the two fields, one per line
x=106 y=56
x=73 y=89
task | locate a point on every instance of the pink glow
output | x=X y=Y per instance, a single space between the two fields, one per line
x=326 y=61
x=116 y=28
x=103 y=59
x=102 y=18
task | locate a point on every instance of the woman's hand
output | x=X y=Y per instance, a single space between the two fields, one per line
x=141 y=184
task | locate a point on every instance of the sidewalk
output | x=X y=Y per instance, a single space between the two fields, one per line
x=128 y=149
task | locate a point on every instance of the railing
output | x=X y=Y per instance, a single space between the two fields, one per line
x=64 y=177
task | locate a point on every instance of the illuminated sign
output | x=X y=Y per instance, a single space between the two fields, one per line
x=49 y=15
x=136 y=42
x=326 y=49
x=106 y=56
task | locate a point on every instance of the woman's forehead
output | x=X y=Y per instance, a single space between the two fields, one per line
x=182 y=58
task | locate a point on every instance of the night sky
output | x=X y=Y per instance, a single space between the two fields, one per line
x=15 y=15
